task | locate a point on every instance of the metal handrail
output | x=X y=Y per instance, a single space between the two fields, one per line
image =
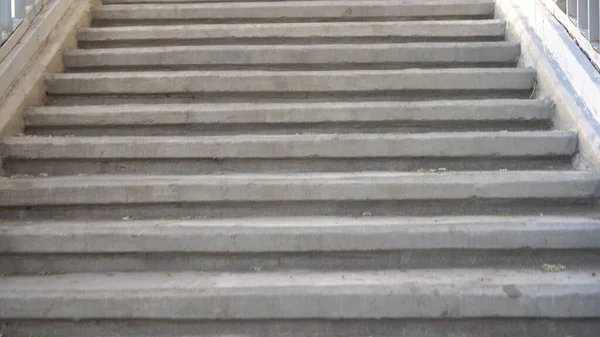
x=586 y=15
x=13 y=12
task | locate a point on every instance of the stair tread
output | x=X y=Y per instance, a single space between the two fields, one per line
x=304 y=294
x=298 y=9
x=228 y=113
x=165 y=82
x=300 y=234
x=454 y=28
x=495 y=52
x=449 y=144
x=115 y=189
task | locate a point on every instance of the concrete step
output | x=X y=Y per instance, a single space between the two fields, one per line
x=298 y=57
x=290 y=11
x=422 y=294
x=263 y=118
x=286 y=153
x=376 y=193
x=316 y=243
x=480 y=327
x=265 y=84
x=293 y=33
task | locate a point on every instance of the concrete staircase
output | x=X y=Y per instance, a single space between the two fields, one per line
x=296 y=168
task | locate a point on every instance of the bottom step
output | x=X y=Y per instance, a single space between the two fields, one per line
x=426 y=294
x=481 y=327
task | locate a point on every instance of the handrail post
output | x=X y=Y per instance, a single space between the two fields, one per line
x=582 y=14
x=6 y=21
x=593 y=23
x=572 y=8
x=20 y=9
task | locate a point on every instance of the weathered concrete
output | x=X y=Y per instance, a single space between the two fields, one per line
x=297 y=187
x=13 y=64
x=158 y=208
x=290 y=81
x=27 y=89
x=564 y=72
x=348 y=260
x=304 y=234
x=496 y=111
x=302 y=295
x=465 y=144
x=299 y=10
x=282 y=33
x=481 y=327
x=403 y=55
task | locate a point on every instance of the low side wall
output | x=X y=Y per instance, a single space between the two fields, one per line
x=38 y=52
x=565 y=74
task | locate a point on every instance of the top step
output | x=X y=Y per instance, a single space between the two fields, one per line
x=291 y=11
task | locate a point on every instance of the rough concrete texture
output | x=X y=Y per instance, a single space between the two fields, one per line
x=293 y=235
x=298 y=187
x=481 y=327
x=564 y=72
x=303 y=295
x=28 y=89
x=466 y=144
x=255 y=113
x=396 y=31
x=297 y=9
x=431 y=54
x=164 y=82
x=297 y=227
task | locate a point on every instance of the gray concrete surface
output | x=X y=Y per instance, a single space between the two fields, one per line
x=303 y=10
x=458 y=293
x=465 y=144
x=348 y=260
x=481 y=327
x=397 y=55
x=117 y=251
x=165 y=82
x=297 y=187
x=255 y=113
x=340 y=32
x=305 y=234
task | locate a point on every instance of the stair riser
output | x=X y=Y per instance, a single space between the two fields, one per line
x=563 y=207
x=206 y=119
x=32 y=264
x=357 y=56
x=191 y=129
x=256 y=82
x=287 y=12
x=297 y=67
x=294 y=33
x=241 y=20
x=496 y=145
x=485 y=327
x=59 y=167
x=127 y=43
x=298 y=97
x=443 y=31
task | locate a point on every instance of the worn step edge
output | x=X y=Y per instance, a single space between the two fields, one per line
x=457 y=293
x=186 y=114
x=420 y=29
x=300 y=234
x=371 y=186
x=164 y=82
x=452 y=144
x=296 y=9
x=412 y=53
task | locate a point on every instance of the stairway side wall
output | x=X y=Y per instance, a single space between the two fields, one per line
x=43 y=54
x=564 y=73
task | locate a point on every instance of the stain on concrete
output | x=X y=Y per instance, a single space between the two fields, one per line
x=511 y=291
